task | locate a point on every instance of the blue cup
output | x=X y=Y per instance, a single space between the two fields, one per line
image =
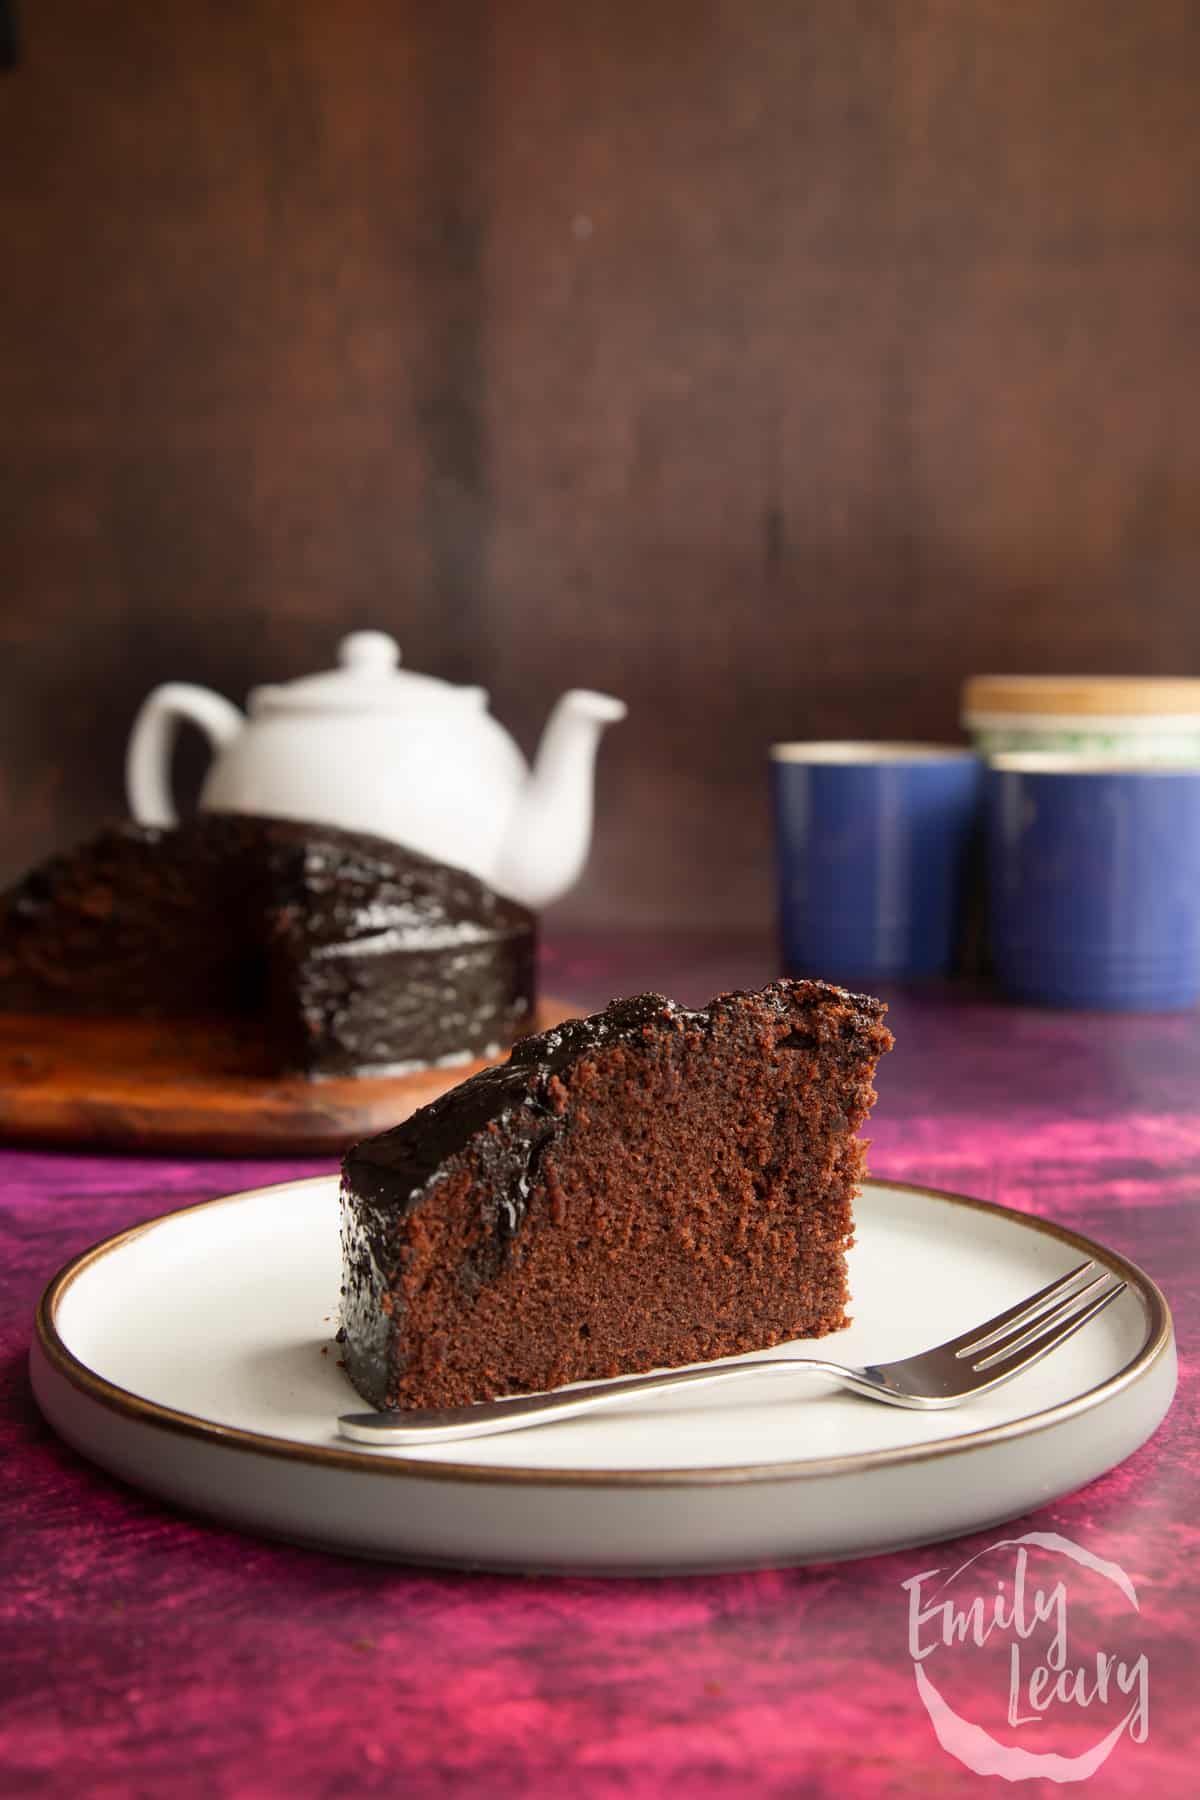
x=1094 y=882
x=873 y=844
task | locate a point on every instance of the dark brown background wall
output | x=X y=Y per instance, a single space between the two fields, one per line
x=773 y=365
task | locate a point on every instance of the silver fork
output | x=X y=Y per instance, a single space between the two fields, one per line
x=972 y=1364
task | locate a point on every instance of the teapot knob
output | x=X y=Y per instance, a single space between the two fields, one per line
x=369 y=653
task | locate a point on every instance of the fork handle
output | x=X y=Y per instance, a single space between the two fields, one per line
x=519 y=1411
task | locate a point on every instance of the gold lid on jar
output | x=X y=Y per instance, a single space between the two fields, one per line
x=1080 y=696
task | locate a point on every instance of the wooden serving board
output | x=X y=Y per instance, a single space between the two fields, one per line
x=124 y=1084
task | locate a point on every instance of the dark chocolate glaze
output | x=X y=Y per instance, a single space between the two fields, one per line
x=501 y=1122
x=348 y=952
x=397 y=1165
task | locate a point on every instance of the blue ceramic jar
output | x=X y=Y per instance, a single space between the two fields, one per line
x=872 y=845
x=1094 y=882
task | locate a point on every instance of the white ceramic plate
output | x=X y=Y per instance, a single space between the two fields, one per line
x=193 y=1356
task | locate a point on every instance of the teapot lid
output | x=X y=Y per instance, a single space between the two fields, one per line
x=368 y=679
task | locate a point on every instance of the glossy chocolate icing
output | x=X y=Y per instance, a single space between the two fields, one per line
x=346 y=952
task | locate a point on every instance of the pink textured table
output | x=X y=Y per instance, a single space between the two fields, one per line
x=149 y=1654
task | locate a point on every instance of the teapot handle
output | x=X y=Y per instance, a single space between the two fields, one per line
x=148 y=758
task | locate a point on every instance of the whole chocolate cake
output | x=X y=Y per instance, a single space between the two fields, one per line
x=640 y=1189
x=346 y=953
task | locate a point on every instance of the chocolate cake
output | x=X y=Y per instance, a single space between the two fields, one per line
x=644 y=1188
x=346 y=953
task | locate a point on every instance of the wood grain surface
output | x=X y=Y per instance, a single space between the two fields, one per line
x=134 y=1084
x=772 y=366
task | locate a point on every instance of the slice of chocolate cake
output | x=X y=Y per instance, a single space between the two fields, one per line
x=640 y=1189
x=344 y=953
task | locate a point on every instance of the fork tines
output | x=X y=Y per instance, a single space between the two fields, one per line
x=1039 y=1323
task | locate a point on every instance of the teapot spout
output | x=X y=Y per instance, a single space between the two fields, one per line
x=548 y=839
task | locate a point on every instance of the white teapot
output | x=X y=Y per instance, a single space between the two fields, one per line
x=373 y=747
